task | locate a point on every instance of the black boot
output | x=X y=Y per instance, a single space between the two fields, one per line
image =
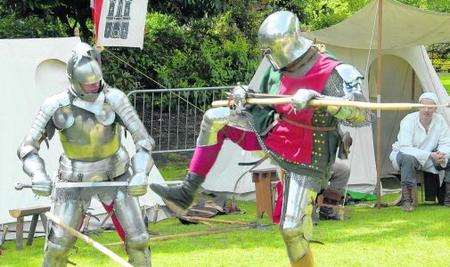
x=180 y=197
x=447 y=195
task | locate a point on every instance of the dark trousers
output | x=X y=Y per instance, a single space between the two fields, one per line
x=409 y=165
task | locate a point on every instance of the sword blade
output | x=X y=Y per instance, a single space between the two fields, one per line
x=89 y=184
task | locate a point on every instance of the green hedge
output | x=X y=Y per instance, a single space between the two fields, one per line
x=207 y=52
x=14 y=26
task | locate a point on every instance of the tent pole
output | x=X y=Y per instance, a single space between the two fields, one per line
x=378 y=85
x=413 y=85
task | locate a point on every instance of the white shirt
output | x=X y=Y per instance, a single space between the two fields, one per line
x=414 y=140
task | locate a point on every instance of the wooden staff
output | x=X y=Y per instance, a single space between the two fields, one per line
x=191 y=234
x=331 y=102
x=201 y=219
x=116 y=258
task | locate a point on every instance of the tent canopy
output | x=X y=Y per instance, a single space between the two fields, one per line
x=403 y=26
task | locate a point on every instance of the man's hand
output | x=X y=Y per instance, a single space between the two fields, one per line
x=302 y=96
x=438 y=157
x=41 y=185
x=138 y=185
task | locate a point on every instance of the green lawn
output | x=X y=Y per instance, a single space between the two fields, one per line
x=445 y=79
x=371 y=237
x=173 y=166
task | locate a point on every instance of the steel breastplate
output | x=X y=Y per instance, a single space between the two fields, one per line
x=89 y=138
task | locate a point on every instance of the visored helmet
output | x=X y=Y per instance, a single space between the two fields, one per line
x=279 y=37
x=83 y=69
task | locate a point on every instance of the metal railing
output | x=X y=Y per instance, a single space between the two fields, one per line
x=173 y=116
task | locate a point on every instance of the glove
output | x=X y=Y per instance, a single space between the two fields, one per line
x=41 y=185
x=351 y=114
x=302 y=96
x=138 y=185
x=239 y=95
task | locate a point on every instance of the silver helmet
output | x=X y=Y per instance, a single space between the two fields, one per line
x=83 y=69
x=279 y=37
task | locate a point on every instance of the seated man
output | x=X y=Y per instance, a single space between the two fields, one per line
x=423 y=143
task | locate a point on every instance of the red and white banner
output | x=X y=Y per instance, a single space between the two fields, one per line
x=119 y=22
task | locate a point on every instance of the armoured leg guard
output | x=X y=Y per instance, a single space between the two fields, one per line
x=305 y=261
x=179 y=198
x=130 y=217
x=213 y=121
x=296 y=223
x=137 y=249
x=56 y=255
x=59 y=242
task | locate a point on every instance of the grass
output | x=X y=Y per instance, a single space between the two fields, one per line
x=173 y=166
x=445 y=79
x=371 y=237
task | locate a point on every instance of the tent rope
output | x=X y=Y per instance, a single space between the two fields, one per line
x=428 y=69
x=372 y=37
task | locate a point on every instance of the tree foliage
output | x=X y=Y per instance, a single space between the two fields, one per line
x=67 y=14
x=187 y=42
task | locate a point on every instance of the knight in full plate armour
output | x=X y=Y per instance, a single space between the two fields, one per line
x=302 y=140
x=90 y=117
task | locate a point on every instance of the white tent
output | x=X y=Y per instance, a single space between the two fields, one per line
x=225 y=176
x=31 y=70
x=407 y=71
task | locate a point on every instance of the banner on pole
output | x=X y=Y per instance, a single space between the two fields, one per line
x=119 y=22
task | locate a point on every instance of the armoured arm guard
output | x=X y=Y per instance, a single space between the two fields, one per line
x=142 y=161
x=28 y=151
x=345 y=82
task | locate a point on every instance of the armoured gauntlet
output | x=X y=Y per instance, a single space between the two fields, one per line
x=239 y=94
x=41 y=184
x=142 y=163
x=302 y=96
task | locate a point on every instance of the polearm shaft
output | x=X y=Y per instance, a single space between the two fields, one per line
x=330 y=102
x=117 y=259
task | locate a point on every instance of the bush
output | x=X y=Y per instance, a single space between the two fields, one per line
x=205 y=52
x=13 y=26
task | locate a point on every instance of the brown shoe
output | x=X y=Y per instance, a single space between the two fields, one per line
x=407 y=204
x=330 y=208
x=306 y=261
